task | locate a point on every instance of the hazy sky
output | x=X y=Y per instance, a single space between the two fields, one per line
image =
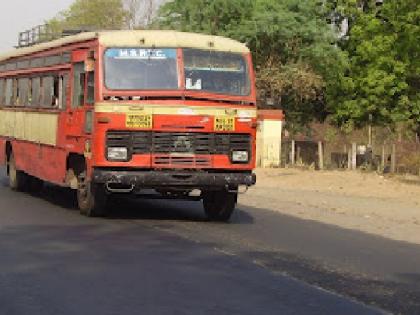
x=20 y=15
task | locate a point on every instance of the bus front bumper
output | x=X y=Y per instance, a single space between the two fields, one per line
x=173 y=179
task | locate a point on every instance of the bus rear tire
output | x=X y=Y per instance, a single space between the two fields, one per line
x=92 y=200
x=219 y=205
x=18 y=180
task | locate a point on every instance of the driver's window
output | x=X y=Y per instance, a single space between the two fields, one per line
x=79 y=80
x=62 y=91
x=90 y=99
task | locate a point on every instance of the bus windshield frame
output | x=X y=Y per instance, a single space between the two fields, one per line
x=141 y=69
x=197 y=71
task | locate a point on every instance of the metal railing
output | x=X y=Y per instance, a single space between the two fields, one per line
x=44 y=33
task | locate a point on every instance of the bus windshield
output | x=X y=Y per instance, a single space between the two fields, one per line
x=141 y=69
x=156 y=69
x=216 y=72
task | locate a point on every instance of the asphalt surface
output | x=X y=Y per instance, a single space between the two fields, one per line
x=162 y=257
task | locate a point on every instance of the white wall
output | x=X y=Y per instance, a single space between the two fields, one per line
x=269 y=143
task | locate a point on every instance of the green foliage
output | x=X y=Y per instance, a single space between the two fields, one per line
x=297 y=64
x=208 y=16
x=382 y=82
x=92 y=14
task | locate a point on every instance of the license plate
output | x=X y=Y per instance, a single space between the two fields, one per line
x=139 y=121
x=224 y=124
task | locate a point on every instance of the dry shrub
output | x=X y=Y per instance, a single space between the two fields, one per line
x=410 y=162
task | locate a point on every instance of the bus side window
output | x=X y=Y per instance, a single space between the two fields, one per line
x=90 y=88
x=23 y=87
x=2 y=90
x=56 y=92
x=48 y=90
x=78 y=85
x=62 y=91
x=9 y=92
x=36 y=91
x=15 y=97
x=29 y=103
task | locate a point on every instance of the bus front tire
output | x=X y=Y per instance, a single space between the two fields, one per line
x=219 y=205
x=92 y=200
x=18 y=180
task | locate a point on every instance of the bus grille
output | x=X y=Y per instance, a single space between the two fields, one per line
x=182 y=161
x=143 y=142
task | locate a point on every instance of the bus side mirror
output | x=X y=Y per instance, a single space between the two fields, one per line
x=89 y=65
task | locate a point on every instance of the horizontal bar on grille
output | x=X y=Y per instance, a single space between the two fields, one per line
x=182 y=161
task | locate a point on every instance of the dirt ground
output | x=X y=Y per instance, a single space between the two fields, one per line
x=382 y=205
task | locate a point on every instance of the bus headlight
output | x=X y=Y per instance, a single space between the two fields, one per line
x=240 y=156
x=117 y=154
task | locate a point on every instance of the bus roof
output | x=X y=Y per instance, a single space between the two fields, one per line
x=141 y=38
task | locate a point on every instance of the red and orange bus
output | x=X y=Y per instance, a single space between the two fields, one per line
x=150 y=113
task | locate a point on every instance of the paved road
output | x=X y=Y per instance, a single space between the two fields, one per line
x=155 y=257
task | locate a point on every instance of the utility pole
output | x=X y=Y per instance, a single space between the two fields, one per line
x=393 y=158
x=354 y=156
x=320 y=155
x=293 y=153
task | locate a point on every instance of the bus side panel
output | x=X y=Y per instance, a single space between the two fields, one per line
x=22 y=153
x=52 y=164
x=2 y=152
x=42 y=161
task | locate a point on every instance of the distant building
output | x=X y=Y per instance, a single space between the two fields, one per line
x=269 y=135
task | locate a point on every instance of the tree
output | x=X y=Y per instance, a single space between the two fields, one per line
x=208 y=16
x=140 y=13
x=292 y=44
x=133 y=8
x=91 y=14
x=382 y=82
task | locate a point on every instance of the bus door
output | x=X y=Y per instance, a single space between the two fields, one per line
x=80 y=112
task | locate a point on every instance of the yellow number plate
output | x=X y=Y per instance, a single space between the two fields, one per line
x=139 y=121
x=224 y=124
